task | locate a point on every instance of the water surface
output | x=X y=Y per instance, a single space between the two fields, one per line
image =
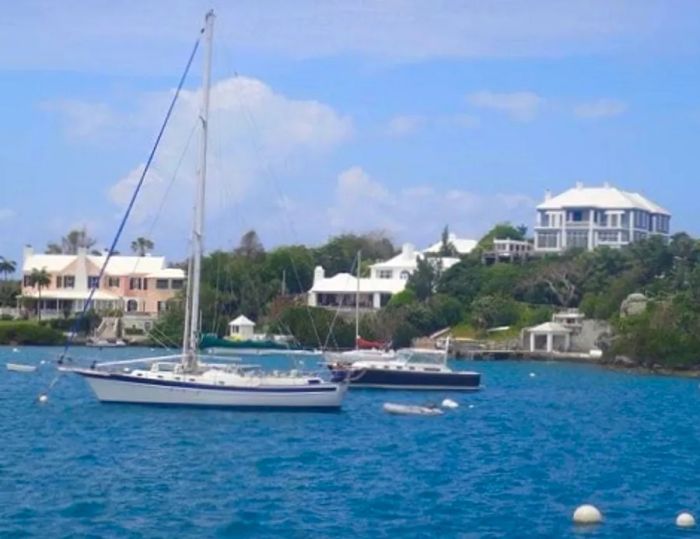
x=513 y=461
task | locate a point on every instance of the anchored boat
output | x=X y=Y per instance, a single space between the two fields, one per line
x=412 y=368
x=184 y=379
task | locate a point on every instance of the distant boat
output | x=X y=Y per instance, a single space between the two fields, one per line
x=19 y=367
x=412 y=368
x=411 y=409
x=101 y=343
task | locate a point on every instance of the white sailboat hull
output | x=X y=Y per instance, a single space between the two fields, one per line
x=117 y=388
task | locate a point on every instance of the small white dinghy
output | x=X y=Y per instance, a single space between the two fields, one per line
x=19 y=367
x=411 y=409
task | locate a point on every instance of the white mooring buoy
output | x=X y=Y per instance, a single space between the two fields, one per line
x=43 y=398
x=532 y=375
x=685 y=520
x=15 y=350
x=587 y=514
x=449 y=403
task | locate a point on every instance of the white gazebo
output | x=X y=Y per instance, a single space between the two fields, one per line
x=549 y=337
x=241 y=328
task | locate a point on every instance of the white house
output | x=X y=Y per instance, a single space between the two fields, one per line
x=588 y=217
x=463 y=246
x=386 y=279
x=241 y=327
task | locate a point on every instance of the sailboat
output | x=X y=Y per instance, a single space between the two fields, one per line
x=364 y=350
x=184 y=379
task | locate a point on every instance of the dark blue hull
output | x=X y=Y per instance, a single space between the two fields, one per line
x=393 y=379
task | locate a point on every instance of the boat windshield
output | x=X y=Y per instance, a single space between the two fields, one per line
x=431 y=357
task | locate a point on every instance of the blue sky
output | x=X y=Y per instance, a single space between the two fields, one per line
x=331 y=117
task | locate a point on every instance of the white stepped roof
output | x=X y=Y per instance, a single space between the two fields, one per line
x=117 y=265
x=346 y=283
x=606 y=197
x=549 y=327
x=463 y=246
x=241 y=320
x=71 y=294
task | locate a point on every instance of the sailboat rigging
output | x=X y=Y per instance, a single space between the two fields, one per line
x=184 y=379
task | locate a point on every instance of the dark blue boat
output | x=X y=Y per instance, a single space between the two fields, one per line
x=411 y=369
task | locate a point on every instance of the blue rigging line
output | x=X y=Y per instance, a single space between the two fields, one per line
x=112 y=248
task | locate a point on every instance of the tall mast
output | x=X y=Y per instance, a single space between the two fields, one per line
x=357 y=301
x=198 y=232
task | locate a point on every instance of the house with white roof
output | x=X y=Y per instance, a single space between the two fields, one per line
x=132 y=284
x=589 y=217
x=386 y=279
x=463 y=246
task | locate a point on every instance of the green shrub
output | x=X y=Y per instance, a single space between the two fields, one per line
x=26 y=332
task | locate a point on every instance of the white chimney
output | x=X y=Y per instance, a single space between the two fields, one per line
x=319 y=274
x=606 y=185
x=408 y=251
x=27 y=252
x=579 y=185
x=547 y=194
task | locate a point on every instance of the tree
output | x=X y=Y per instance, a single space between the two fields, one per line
x=7 y=267
x=39 y=278
x=141 y=246
x=501 y=231
x=424 y=279
x=338 y=254
x=250 y=246
x=71 y=242
x=447 y=248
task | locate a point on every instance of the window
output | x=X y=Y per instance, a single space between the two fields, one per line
x=608 y=236
x=614 y=220
x=547 y=240
x=59 y=281
x=162 y=284
x=162 y=306
x=113 y=282
x=176 y=284
x=93 y=281
x=385 y=274
x=404 y=275
x=26 y=281
x=135 y=283
x=577 y=239
x=132 y=306
x=69 y=281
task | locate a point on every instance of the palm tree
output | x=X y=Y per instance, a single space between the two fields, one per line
x=141 y=246
x=7 y=267
x=38 y=279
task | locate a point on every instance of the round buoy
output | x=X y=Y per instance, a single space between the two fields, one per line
x=449 y=403
x=471 y=406
x=43 y=398
x=15 y=350
x=685 y=520
x=532 y=375
x=587 y=514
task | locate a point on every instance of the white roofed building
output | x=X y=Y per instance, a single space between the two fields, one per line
x=589 y=217
x=132 y=284
x=386 y=279
x=463 y=246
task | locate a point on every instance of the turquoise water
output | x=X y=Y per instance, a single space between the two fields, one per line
x=515 y=464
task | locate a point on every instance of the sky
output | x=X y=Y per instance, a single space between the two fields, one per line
x=329 y=117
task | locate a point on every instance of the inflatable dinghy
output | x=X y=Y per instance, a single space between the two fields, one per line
x=411 y=409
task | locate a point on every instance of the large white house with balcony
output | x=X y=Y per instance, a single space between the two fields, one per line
x=590 y=217
x=386 y=279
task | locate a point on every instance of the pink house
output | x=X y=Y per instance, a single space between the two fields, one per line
x=131 y=284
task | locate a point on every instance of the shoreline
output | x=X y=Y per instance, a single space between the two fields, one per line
x=581 y=359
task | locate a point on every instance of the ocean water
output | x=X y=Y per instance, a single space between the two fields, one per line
x=513 y=460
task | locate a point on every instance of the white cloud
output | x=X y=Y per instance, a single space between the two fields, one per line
x=400 y=126
x=418 y=213
x=122 y=36
x=522 y=106
x=601 y=108
x=6 y=214
x=253 y=131
x=405 y=125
